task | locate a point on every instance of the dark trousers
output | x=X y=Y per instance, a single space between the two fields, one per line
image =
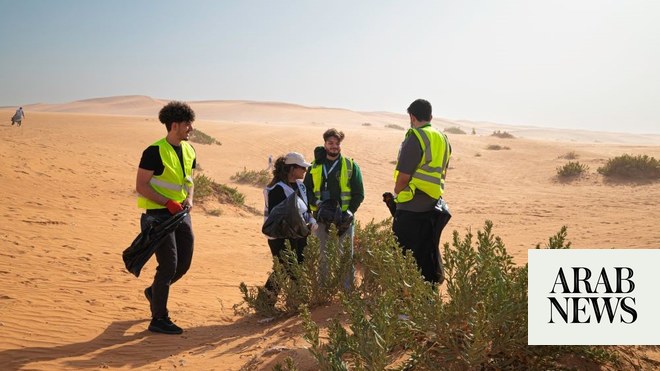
x=174 y=257
x=277 y=246
x=420 y=233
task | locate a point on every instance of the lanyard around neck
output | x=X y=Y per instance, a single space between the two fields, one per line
x=326 y=171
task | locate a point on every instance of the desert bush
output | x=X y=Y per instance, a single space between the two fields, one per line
x=258 y=178
x=366 y=124
x=502 y=134
x=496 y=147
x=572 y=169
x=454 y=130
x=300 y=283
x=206 y=188
x=572 y=155
x=198 y=136
x=631 y=167
x=474 y=132
x=203 y=187
x=395 y=126
x=396 y=319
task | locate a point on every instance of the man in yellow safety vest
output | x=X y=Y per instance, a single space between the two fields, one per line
x=165 y=186
x=335 y=192
x=421 y=214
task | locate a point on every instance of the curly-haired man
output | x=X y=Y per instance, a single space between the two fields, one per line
x=165 y=186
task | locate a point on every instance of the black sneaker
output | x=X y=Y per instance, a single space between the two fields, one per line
x=164 y=326
x=147 y=293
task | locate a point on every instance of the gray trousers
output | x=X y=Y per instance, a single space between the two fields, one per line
x=345 y=241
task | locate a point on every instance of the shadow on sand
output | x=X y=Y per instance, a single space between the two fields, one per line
x=114 y=348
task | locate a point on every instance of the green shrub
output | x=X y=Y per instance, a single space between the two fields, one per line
x=394 y=319
x=206 y=188
x=203 y=187
x=199 y=137
x=572 y=169
x=496 y=147
x=502 y=134
x=454 y=130
x=299 y=283
x=395 y=126
x=258 y=178
x=632 y=167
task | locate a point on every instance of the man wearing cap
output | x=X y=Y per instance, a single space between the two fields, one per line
x=334 y=181
x=287 y=179
x=419 y=184
x=165 y=186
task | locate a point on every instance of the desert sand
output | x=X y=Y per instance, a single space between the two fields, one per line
x=67 y=181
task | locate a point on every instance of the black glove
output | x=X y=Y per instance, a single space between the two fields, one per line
x=388 y=198
x=346 y=222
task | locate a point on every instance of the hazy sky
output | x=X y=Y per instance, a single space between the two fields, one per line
x=590 y=64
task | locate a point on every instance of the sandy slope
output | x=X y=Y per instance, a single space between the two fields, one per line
x=67 y=181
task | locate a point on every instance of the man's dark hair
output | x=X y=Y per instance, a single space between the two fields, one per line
x=421 y=109
x=333 y=133
x=175 y=111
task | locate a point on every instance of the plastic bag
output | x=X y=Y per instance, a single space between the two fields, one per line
x=286 y=219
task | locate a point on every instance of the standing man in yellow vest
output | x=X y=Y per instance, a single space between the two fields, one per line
x=419 y=183
x=165 y=186
x=334 y=181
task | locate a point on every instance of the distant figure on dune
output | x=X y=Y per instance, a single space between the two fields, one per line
x=420 y=213
x=270 y=163
x=18 y=117
x=165 y=186
x=335 y=192
x=287 y=179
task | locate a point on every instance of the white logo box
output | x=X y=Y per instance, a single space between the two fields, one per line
x=643 y=300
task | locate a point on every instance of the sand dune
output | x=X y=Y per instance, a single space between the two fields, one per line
x=238 y=111
x=67 y=179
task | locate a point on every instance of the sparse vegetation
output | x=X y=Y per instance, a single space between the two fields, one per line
x=502 y=134
x=474 y=132
x=258 y=178
x=454 y=130
x=299 y=283
x=366 y=124
x=496 y=147
x=572 y=155
x=477 y=154
x=199 y=137
x=395 y=126
x=632 y=167
x=394 y=319
x=206 y=188
x=572 y=169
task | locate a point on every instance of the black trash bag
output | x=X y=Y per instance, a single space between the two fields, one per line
x=442 y=216
x=329 y=213
x=388 y=199
x=442 y=212
x=286 y=219
x=146 y=243
x=346 y=222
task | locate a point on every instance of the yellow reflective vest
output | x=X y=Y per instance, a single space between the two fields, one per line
x=345 y=174
x=171 y=183
x=429 y=177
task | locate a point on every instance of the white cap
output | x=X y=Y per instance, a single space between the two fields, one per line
x=295 y=158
